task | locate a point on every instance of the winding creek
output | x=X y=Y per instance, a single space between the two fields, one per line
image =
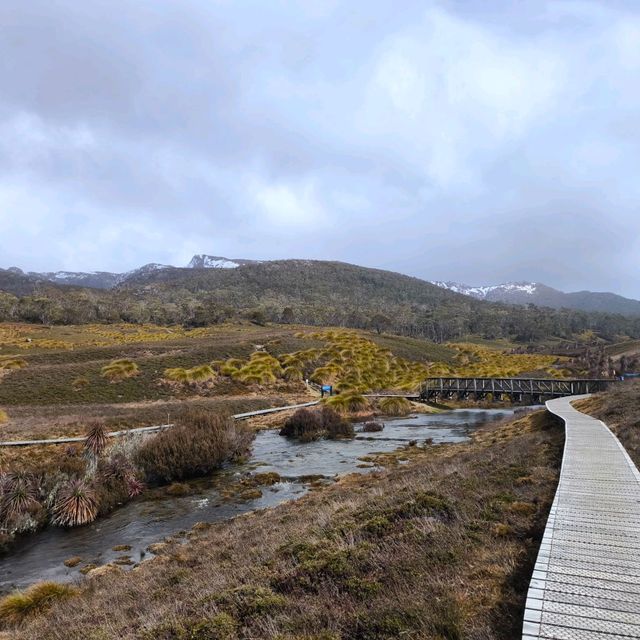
x=150 y=519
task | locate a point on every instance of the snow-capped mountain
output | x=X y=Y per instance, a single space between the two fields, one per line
x=544 y=296
x=16 y=281
x=108 y=280
x=146 y=269
x=93 y=279
x=493 y=292
x=203 y=261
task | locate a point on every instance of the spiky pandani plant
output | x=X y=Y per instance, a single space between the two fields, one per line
x=135 y=486
x=118 y=467
x=96 y=440
x=75 y=504
x=17 y=495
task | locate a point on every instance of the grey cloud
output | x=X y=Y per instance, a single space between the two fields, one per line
x=449 y=140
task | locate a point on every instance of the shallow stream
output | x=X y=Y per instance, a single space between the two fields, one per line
x=148 y=520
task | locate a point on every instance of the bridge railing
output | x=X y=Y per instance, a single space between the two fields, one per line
x=511 y=386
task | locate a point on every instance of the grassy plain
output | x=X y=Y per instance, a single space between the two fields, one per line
x=61 y=381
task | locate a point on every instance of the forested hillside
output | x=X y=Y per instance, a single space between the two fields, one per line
x=307 y=292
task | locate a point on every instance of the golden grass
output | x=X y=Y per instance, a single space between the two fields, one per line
x=118 y=370
x=17 y=606
x=394 y=406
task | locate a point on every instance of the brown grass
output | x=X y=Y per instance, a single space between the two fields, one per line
x=441 y=547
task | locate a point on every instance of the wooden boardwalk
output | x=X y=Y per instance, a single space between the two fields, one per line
x=158 y=427
x=586 y=581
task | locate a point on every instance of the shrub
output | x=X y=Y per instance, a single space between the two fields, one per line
x=199 y=444
x=75 y=504
x=372 y=427
x=394 y=406
x=307 y=425
x=334 y=424
x=17 y=606
x=303 y=424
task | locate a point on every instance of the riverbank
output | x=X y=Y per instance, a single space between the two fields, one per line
x=440 y=543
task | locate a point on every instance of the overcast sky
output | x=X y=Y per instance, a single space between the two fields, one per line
x=479 y=141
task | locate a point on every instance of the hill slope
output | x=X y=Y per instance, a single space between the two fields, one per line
x=302 y=291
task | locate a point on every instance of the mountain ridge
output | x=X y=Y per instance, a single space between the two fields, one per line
x=542 y=295
x=191 y=276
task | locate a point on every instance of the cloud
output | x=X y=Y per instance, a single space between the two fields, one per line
x=448 y=140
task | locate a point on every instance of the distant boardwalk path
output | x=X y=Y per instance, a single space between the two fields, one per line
x=586 y=582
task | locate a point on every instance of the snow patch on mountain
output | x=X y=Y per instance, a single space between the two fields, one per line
x=481 y=293
x=204 y=261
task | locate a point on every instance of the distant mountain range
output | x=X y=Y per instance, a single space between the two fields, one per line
x=544 y=296
x=193 y=277
x=22 y=282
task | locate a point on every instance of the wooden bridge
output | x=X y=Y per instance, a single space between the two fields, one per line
x=530 y=390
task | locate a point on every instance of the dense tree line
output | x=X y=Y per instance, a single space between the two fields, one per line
x=439 y=320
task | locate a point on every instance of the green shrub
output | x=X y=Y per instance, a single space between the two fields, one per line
x=199 y=444
x=249 y=600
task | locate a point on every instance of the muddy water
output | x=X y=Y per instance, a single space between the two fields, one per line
x=145 y=521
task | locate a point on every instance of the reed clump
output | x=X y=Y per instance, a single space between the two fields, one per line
x=199 y=444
